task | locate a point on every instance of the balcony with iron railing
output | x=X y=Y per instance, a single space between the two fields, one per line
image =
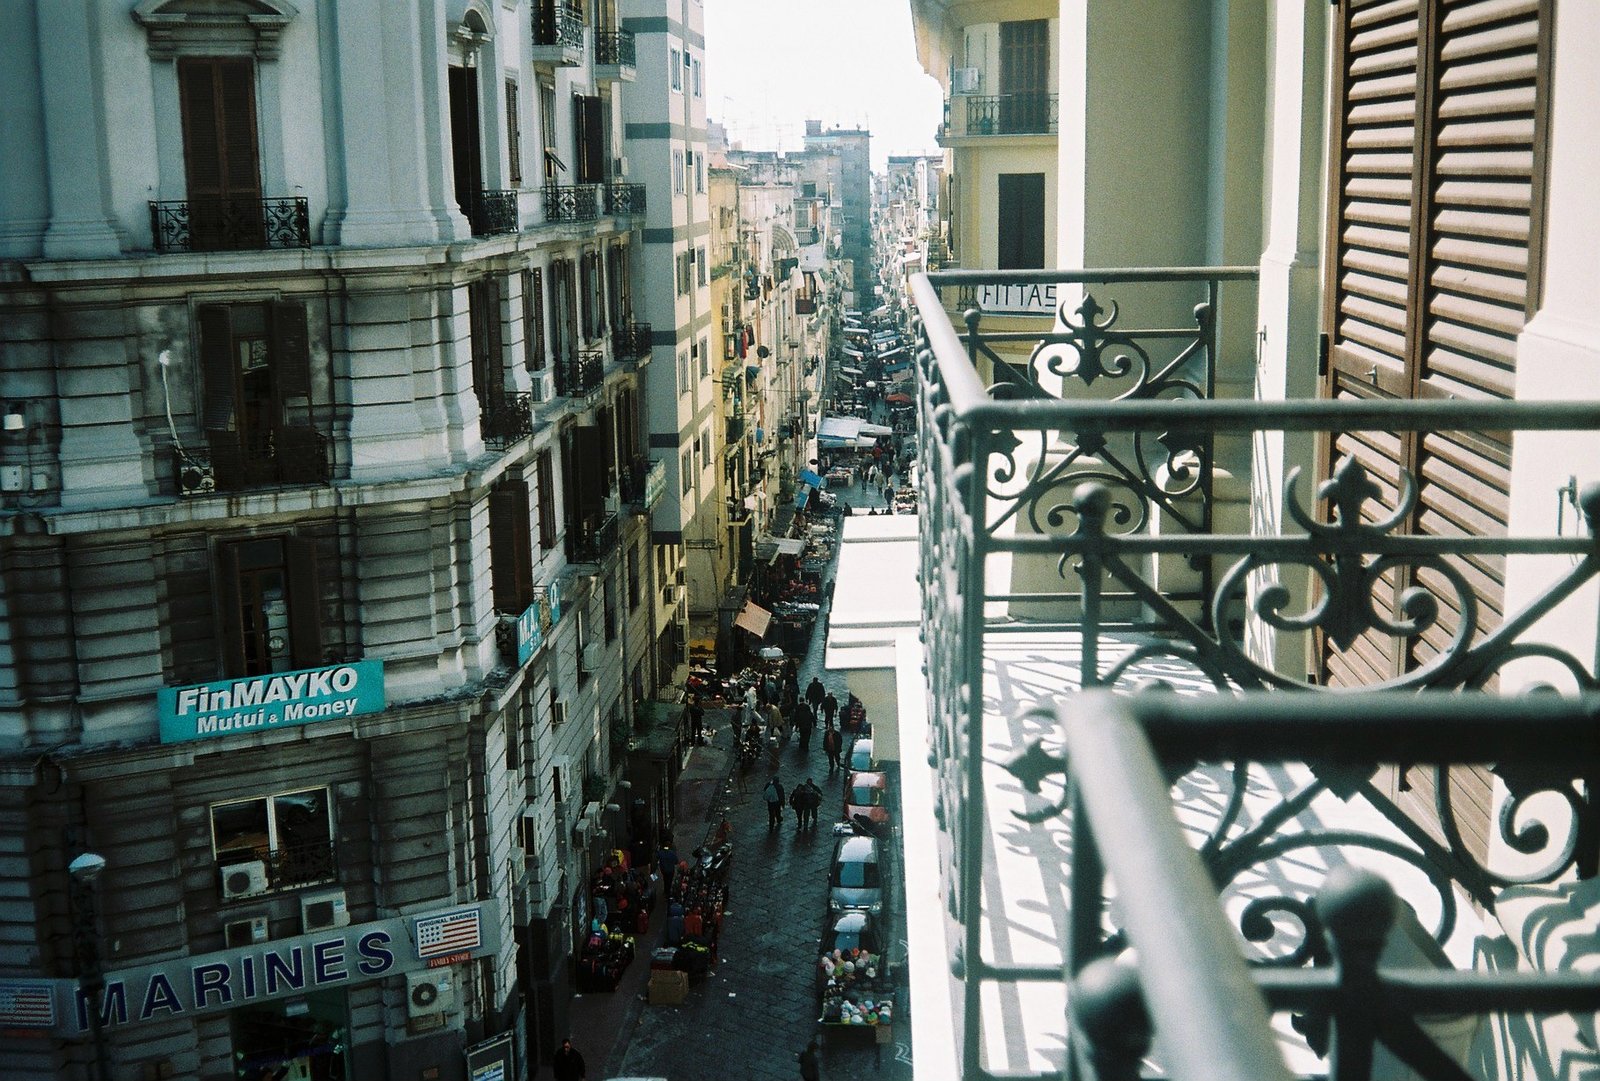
x=507 y=418
x=571 y=202
x=203 y=223
x=581 y=374
x=631 y=342
x=624 y=200
x=557 y=33
x=591 y=539
x=287 y=866
x=989 y=115
x=1120 y=755
x=614 y=55
x=288 y=457
x=493 y=213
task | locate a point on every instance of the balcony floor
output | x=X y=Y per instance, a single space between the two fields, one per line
x=1025 y=879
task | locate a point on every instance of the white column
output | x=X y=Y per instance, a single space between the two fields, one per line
x=81 y=226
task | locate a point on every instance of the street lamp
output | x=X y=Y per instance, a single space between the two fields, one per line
x=83 y=873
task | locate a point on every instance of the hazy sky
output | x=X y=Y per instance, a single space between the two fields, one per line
x=771 y=64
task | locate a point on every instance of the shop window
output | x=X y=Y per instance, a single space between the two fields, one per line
x=273 y=842
x=269 y=605
x=510 y=546
x=301 y=1038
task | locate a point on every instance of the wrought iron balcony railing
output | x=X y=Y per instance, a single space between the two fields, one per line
x=614 y=48
x=494 y=212
x=590 y=539
x=292 y=456
x=1009 y=114
x=1082 y=480
x=582 y=374
x=631 y=342
x=557 y=24
x=288 y=866
x=228 y=224
x=735 y=431
x=571 y=202
x=507 y=419
x=624 y=200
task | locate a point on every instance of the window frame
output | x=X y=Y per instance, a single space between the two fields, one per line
x=675 y=68
x=272 y=854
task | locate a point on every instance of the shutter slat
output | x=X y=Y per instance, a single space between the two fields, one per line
x=305 y=603
x=1501 y=135
x=1511 y=258
x=291 y=350
x=1496 y=101
x=1498 y=194
x=1476 y=282
x=216 y=366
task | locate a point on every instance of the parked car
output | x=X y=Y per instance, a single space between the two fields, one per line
x=867 y=794
x=860 y=757
x=855 y=877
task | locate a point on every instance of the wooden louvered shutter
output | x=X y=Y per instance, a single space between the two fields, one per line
x=1433 y=256
x=305 y=603
x=230 y=618
x=513 y=134
x=545 y=478
x=217 y=367
x=291 y=350
x=221 y=160
x=510 y=547
x=533 y=318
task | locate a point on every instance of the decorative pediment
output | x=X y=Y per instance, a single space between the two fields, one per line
x=214 y=27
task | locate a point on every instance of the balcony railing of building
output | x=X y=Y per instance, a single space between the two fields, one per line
x=581 y=374
x=557 y=25
x=590 y=539
x=1003 y=114
x=294 y=456
x=1067 y=480
x=805 y=305
x=624 y=200
x=494 y=212
x=230 y=224
x=288 y=866
x=571 y=202
x=631 y=342
x=642 y=483
x=506 y=419
x=614 y=48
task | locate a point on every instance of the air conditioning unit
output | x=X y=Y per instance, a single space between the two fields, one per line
x=967 y=80
x=619 y=166
x=591 y=658
x=195 y=478
x=429 y=993
x=558 y=713
x=544 y=386
x=244 y=932
x=563 y=827
x=321 y=911
x=244 y=880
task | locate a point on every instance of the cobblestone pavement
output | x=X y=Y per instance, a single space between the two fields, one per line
x=754 y=1013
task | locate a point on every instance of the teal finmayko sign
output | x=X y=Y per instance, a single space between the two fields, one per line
x=256 y=703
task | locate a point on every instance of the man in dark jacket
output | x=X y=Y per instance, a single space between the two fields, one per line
x=809 y=1070
x=830 y=706
x=568 y=1064
x=773 y=794
x=832 y=744
x=814 y=692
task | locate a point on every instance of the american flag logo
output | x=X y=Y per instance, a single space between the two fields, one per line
x=453 y=932
x=27 y=1005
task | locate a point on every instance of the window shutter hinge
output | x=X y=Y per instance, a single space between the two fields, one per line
x=1322 y=355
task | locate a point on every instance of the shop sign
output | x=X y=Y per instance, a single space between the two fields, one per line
x=258 y=703
x=285 y=967
x=655 y=482
x=492 y=1060
x=530 y=632
x=1039 y=298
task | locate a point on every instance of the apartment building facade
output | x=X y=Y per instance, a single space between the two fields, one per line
x=329 y=587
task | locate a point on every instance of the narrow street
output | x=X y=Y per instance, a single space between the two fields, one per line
x=755 y=1011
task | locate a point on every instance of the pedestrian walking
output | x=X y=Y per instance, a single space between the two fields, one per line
x=832 y=744
x=667 y=862
x=697 y=719
x=568 y=1064
x=830 y=706
x=750 y=703
x=773 y=794
x=814 y=692
x=797 y=800
x=807 y=720
x=809 y=1070
x=811 y=799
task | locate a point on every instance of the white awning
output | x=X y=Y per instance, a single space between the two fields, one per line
x=875 y=429
x=753 y=618
x=790 y=546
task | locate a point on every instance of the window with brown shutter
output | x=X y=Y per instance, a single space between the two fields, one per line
x=220 y=153
x=544 y=476
x=1020 y=222
x=510 y=546
x=533 y=318
x=513 y=134
x=488 y=364
x=268 y=605
x=466 y=147
x=589 y=138
x=1433 y=256
x=256 y=396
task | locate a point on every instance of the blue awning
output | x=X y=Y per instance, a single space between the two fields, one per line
x=811 y=478
x=801 y=497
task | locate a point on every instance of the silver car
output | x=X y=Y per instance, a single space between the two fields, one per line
x=855 y=878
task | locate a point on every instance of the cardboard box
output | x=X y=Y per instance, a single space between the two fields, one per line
x=668 y=988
